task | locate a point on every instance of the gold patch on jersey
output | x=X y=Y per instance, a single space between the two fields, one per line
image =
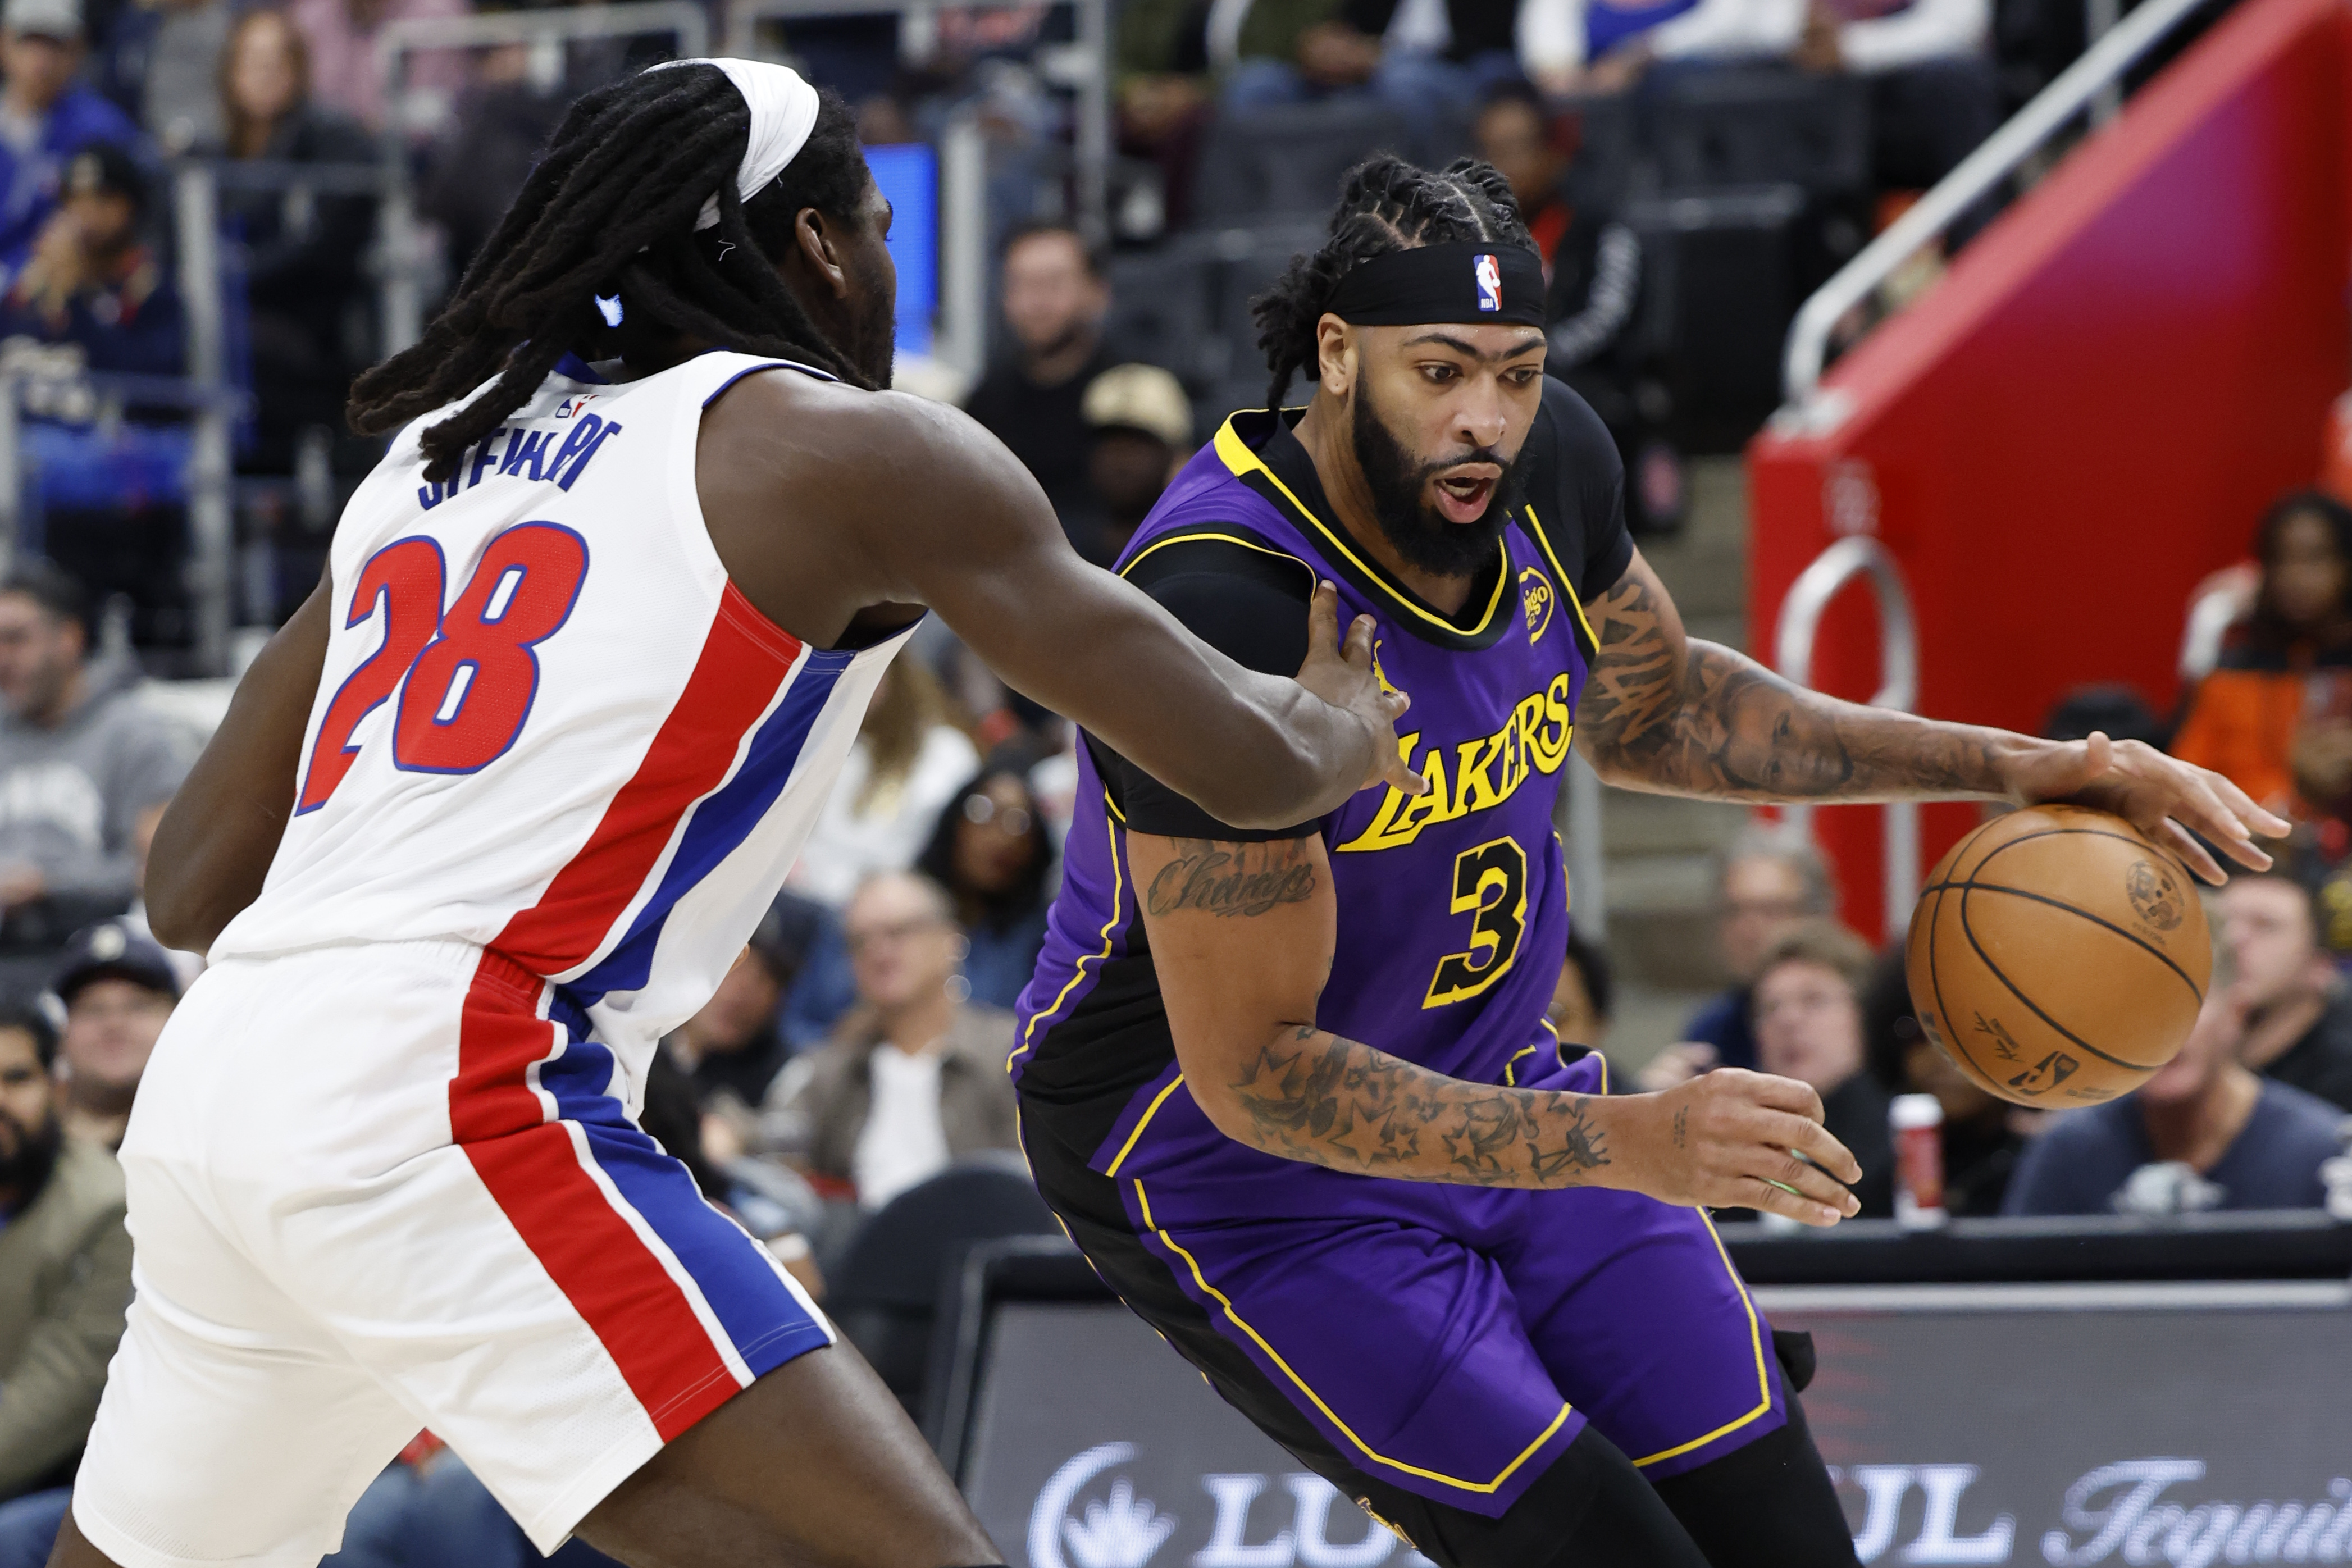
x=1537 y=599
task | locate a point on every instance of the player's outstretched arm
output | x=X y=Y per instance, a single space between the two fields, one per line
x=926 y=508
x=1671 y=714
x=1255 y=750
x=1242 y=938
x=213 y=846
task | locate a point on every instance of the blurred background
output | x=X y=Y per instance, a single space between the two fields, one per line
x=1986 y=358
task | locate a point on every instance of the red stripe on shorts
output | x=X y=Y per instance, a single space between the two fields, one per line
x=619 y=1287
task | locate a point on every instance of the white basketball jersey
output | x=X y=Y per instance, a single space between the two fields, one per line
x=548 y=724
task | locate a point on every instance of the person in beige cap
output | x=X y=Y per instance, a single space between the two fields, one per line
x=1142 y=426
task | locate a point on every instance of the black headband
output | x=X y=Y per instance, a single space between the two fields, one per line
x=1473 y=283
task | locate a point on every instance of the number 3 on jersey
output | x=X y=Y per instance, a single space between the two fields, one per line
x=1490 y=885
x=467 y=678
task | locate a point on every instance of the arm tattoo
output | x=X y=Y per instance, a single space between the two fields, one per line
x=1243 y=879
x=1334 y=1102
x=1681 y=1123
x=1685 y=717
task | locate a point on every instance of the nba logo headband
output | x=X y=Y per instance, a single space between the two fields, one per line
x=784 y=113
x=1470 y=282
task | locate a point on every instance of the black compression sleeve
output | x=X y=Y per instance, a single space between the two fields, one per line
x=1259 y=624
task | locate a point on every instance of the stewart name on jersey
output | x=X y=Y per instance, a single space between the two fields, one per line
x=1453 y=907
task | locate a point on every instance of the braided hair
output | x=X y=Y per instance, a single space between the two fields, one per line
x=610 y=210
x=1385 y=205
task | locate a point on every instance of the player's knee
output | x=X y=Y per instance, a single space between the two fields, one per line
x=1766 y=1504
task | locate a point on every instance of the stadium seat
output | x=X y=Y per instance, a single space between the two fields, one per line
x=1286 y=163
x=1162 y=303
x=1713 y=129
x=886 y=1292
x=1608 y=149
x=1722 y=279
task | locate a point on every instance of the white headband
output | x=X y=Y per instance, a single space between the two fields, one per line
x=783 y=112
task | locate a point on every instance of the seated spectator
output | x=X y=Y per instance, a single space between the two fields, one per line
x=1054 y=298
x=302 y=251
x=503 y=119
x=731 y=1051
x=1593 y=264
x=1572 y=47
x=991 y=853
x=1772 y=879
x=344 y=75
x=1411 y=57
x=117 y=989
x=908 y=763
x=65 y=1266
x=1983 y=1138
x=2203 y=1133
x=1578 y=1013
x=914 y=1078
x=45 y=117
x=1139 y=425
x=1934 y=93
x=92 y=283
x=2298 y=1028
x=80 y=762
x=162 y=65
x=2276 y=711
x=1808 y=1011
x=1162 y=92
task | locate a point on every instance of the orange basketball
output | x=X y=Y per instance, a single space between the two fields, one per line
x=2058 y=956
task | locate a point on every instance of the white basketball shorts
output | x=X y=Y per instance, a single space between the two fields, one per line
x=381 y=1188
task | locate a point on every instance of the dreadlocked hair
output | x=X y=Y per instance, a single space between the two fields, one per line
x=610 y=210
x=1385 y=205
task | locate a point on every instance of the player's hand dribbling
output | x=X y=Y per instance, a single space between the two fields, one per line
x=1730 y=1139
x=1342 y=675
x=2162 y=796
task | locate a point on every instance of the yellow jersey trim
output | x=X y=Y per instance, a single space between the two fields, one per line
x=1511 y=1068
x=1755 y=1337
x=1163 y=543
x=1567 y=588
x=1239 y=459
x=1149 y=1113
x=1144 y=1202
x=1078 y=972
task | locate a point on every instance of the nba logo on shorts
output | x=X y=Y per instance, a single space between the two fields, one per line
x=1489 y=274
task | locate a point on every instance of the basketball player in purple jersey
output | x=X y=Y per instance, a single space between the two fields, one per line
x=496 y=810
x=1292 y=1090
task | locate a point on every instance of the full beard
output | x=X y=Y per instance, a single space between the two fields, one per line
x=26 y=1156
x=1426 y=541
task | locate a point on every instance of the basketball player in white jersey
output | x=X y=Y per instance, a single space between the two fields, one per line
x=497 y=809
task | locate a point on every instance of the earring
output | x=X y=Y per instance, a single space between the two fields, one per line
x=958 y=989
x=610 y=308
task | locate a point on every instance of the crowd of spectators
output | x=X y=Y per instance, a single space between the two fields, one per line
x=96 y=95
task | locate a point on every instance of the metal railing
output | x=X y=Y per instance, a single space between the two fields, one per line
x=2080 y=87
x=407 y=262
x=1898 y=684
